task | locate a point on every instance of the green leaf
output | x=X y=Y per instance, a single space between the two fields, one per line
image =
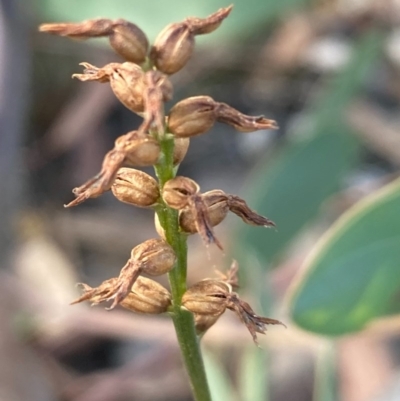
x=253 y=374
x=221 y=386
x=353 y=275
x=291 y=187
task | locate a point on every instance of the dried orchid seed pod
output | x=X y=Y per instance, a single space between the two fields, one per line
x=129 y=41
x=154 y=257
x=140 y=150
x=192 y=116
x=135 y=187
x=207 y=297
x=181 y=146
x=172 y=48
x=147 y=296
x=217 y=209
x=125 y=81
x=174 y=45
x=177 y=191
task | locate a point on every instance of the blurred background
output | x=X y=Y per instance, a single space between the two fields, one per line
x=329 y=72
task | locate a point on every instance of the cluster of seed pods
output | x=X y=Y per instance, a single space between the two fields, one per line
x=142 y=84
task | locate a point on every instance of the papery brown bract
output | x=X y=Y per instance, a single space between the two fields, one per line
x=126 y=38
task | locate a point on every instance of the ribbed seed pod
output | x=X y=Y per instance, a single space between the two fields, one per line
x=203 y=322
x=140 y=150
x=192 y=116
x=125 y=80
x=177 y=191
x=147 y=296
x=129 y=41
x=174 y=45
x=154 y=257
x=197 y=115
x=212 y=297
x=127 y=84
x=172 y=48
x=207 y=297
x=135 y=187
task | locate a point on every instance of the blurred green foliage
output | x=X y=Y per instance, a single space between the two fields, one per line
x=292 y=186
x=353 y=274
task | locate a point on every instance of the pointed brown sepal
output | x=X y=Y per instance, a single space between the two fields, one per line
x=228 y=115
x=254 y=323
x=240 y=208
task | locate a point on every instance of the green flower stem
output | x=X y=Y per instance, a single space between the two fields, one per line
x=183 y=320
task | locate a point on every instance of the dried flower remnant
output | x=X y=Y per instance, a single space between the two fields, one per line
x=126 y=38
x=145 y=296
x=174 y=45
x=132 y=148
x=197 y=115
x=199 y=213
x=182 y=193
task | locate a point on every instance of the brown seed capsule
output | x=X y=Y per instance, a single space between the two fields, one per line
x=174 y=45
x=145 y=296
x=203 y=322
x=140 y=150
x=212 y=297
x=181 y=146
x=172 y=48
x=127 y=39
x=153 y=257
x=207 y=297
x=192 y=116
x=177 y=192
x=125 y=81
x=135 y=187
x=197 y=115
